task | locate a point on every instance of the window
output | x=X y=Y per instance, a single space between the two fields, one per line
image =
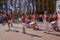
x=36 y=0
x=44 y=7
x=48 y=7
x=5 y=5
x=1 y=5
x=36 y=7
x=40 y=0
x=1 y=0
x=44 y=1
x=41 y=7
x=55 y=0
x=48 y=1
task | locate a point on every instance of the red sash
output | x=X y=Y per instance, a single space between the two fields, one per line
x=55 y=17
x=23 y=18
x=45 y=17
x=35 y=17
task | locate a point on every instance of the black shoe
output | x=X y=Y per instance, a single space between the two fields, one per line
x=44 y=32
x=11 y=26
x=57 y=30
x=37 y=28
x=24 y=32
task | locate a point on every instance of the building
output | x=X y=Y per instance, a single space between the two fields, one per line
x=0 y=4
x=42 y=5
x=3 y=2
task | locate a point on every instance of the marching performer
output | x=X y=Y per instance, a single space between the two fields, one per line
x=46 y=22
x=28 y=21
x=55 y=16
x=10 y=20
x=35 y=19
x=23 y=21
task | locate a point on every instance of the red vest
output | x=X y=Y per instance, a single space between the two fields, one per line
x=23 y=18
x=55 y=17
x=10 y=17
x=35 y=17
x=45 y=17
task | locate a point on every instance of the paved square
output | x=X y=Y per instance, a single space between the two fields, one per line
x=16 y=33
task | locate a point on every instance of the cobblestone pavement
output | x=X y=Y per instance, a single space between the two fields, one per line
x=16 y=33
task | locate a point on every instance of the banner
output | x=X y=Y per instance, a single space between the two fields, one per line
x=58 y=11
x=58 y=8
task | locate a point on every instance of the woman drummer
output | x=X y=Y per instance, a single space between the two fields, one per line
x=55 y=16
x=46 y=22
x=23 y=21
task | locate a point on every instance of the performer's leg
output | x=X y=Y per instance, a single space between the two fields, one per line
x=23 y=27
x=9 y=25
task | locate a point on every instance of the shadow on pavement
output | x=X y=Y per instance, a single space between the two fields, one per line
x=12 y=30
x=58 y=30
x=17 y=27
x=33 y=35
x=39 y=29
x=54 y=34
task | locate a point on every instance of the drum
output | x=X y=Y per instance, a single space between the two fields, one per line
x=53 y=22
x=32 y=24
x=53 y=25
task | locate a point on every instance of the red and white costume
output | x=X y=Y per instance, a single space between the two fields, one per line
x=10 y=18
x=23 y=20
x=35 y=18
x=46 y=23
x=55 y=19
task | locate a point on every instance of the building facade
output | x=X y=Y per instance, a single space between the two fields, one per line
x=3 y=2
x=42 y=5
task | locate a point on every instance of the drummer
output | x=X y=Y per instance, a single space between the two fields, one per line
x=56 y=20
x=35 y=18
x=10 y=21
x=28 y=20
x=23 y=21
x=46 y=22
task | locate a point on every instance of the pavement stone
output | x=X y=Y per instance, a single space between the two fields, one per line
x=16 y=33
